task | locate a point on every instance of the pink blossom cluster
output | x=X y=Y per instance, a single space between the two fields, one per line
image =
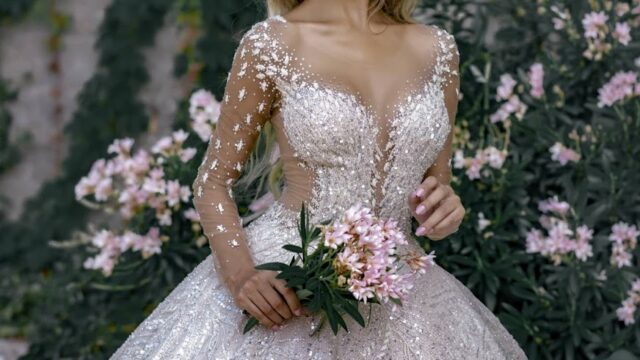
x=204 y=111
x=563 y=154
x=490 y=156
x=536 y=80
x=622 y=86
x=111 y=246
x=624 y=238
x=512 y=105
x=560 y=240
x=367 y=260
x=626 y=312
x=596 y=29
x=132 y=183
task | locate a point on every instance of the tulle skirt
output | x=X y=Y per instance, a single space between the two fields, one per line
x=441 y=319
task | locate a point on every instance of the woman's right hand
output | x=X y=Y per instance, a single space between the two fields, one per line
x=265 y=297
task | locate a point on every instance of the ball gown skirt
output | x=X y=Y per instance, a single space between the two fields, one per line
x=441 y=319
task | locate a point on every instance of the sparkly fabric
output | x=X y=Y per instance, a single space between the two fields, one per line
x=337 y=147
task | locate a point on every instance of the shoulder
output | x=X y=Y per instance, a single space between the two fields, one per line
x=264 y=32
x=434 y=36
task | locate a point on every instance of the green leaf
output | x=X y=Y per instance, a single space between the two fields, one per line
x=293 y=248
x=331 y=316
x=250 y=324
x=352 y=309
x=274 y=266
x=303 y=294
x=622 y=354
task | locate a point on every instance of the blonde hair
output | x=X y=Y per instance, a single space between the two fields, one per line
x=398 y=10
x=261 y=170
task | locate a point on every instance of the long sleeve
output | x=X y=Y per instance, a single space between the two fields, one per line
x=245 y=107
x=447 y=68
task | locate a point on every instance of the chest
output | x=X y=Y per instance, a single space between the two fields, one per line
x=333 y=127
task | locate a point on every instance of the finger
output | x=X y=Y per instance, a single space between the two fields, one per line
x=266 y=308
x=289 y=295
x=276 y=301
x=254 y=310
x=452 y=220
x=447 y=206
x=428 y=185
x=432 y=200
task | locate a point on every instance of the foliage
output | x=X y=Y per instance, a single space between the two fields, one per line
x=8 y=152
x=107 y=108
x=563 y=309
x=541 y=144
x=14 y=9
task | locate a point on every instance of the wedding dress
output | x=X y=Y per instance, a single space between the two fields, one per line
x=338 y=145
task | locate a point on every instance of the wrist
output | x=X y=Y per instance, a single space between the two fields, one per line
x=234 y=278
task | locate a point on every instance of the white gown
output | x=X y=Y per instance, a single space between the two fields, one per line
x=338 y=146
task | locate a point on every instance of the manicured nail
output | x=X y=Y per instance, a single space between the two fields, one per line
x=419 y=192
x=421 y=209
x=420 y=231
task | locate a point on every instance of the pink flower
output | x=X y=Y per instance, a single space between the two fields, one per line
x=620 y=257
x=535 y=241
x=584 y=234
x=505 y=89
x=173 y=192
x=626 y=312
x=536 y=80
x=594 y=23
x=494 y=157
x=152 y=243
x=187 y=154
x=121 y=147
x=337 y=235
x=419 y=263
x=622 y=33
x=562 y=154
x=617 y=89
x=554 y=205
x=359 y=289
x=204 y=111
x=162 y=145
x=192 y=215
x=476 y=164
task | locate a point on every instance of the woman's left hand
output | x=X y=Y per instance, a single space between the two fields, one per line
x=437 y=209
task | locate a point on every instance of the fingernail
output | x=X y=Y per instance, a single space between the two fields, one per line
x=420 y=192
x=275 y=328
x=420 y=231
x=421 y=209
x=298 y=312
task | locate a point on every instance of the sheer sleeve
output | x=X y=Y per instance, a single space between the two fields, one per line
x=246 y=106
x=447 y=72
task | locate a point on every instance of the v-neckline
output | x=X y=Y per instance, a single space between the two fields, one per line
x=372 y=118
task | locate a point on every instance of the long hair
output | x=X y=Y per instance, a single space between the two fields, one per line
x=262 y=172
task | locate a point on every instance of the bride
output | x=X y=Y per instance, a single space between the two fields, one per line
x=362 y=101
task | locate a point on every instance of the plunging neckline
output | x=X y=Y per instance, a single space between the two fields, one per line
x=418 y=86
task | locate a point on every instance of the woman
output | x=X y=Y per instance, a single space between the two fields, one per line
x=362 y=101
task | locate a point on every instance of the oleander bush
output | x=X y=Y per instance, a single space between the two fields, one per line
x=546 y=147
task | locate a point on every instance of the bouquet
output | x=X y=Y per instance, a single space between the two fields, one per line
x=352 y=259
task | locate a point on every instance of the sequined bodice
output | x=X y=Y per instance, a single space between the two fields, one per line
x=338 y=145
